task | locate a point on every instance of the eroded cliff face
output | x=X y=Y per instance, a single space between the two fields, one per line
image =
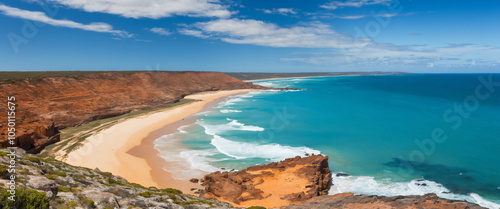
x=45 y=106
x=291 y=181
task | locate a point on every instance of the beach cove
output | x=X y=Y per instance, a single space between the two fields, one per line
x=110 y=150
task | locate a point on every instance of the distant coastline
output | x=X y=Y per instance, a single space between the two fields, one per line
x=249 y=77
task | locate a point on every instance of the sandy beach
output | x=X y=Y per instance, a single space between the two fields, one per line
x=126 y=149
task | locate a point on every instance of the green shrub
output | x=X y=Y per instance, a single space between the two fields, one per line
x=206 y=202
x=107 y=174
x=72 y=204
x=59 y=201
x=194 y=202
x=24 y=171
x=50 y=176
x=113 y=181
x=3 y=154
x=88 y=203
x=4 y=173
x=137 y=185
x=145 y=194
x=172 y=191
x=63 y=189
x=185 y=203
x=59 y=173
x=256 y=207
x=33 y=159
x=26 y=199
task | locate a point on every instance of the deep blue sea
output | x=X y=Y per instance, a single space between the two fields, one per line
x=393 y=134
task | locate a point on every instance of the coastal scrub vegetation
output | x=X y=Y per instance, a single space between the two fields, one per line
x=49 y=183
x=25 y=198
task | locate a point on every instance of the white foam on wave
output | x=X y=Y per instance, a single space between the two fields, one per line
x=183 y=164
x=485 y=203
x=369 y=186
x=279 y=83
x=272 y=84
x=273 y=152
x=229 y=111
x=231 y=126
x=182 y=129
x=231 y=101
x=205 y=113
x=243 y=150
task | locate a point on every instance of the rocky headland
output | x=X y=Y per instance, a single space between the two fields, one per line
x=47 y=105
x=291 y=181
x=303 y=183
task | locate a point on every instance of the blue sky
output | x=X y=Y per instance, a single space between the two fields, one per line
x=251 y=35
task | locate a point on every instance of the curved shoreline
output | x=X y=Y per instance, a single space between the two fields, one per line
x=126 y=149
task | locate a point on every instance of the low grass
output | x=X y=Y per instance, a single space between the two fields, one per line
x=72 y=138
x=256 y=207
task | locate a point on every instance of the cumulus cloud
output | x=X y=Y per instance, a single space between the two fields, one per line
x=160 y=31
x=42 y=17
x=249 y=31
x=150 y=8
x=352 y=3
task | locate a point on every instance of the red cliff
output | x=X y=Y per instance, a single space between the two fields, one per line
x=47 y=105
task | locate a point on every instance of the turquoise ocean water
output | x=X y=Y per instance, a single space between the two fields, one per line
x=394 y=134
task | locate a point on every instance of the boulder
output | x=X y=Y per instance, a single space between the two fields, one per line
x=99 y=197
x=43 y=183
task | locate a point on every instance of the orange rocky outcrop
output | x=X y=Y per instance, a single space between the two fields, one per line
x=291 y=181
x=47 y=105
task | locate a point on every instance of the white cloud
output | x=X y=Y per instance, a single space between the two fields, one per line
x=42 y=17
x=160 y=31
x=282 y=11
x=195 y=33
x=352 y=3
x=150 y=8
x=248 y=31
x=353 y=17
x=378 y=56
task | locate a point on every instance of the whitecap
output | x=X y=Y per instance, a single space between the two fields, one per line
x=369 y=186
x=273 y=152
x=229 y=111
x=183 y=164
x=231 y=126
